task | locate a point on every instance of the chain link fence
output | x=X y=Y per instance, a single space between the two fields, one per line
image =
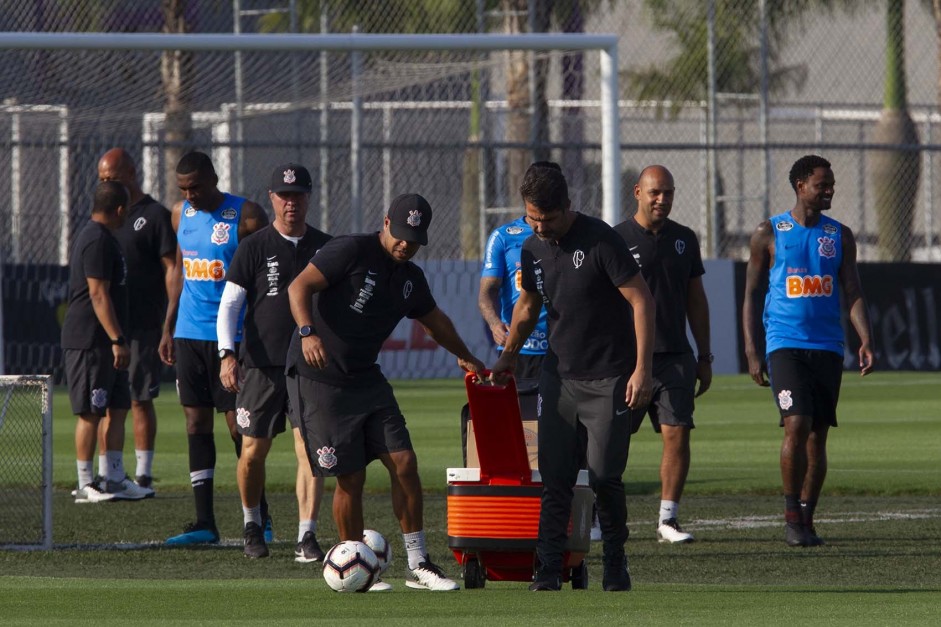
x=726 y=93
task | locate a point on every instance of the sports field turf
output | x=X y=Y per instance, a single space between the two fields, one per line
x=880 y=514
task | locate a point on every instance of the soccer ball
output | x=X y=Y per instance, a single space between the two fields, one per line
x=380 y=546
x=350 y=566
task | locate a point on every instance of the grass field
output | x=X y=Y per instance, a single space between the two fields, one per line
x=880 y=514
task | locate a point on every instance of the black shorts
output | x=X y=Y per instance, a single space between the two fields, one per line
x=674 y=390
x=529 y=366
x=94 y=384
x=197 y=375
x=146 y=366
x=346 y=428
x=806 y=383
x=262 y=402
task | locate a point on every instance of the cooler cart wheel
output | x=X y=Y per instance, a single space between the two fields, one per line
x=579 y=576
x=473 y=574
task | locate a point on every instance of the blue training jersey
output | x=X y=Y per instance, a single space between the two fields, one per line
x=502 y=261
x=207 y=243
x=802 y=307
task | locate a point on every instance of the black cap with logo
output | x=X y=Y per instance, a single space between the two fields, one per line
x=409 y=217
x=291 y=177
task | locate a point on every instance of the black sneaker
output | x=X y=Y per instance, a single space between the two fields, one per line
x=255 y=546
x=546 y=580
x=812 y=538
x=615 y=577
x=308 y=550
x=795 y=534
x=144 y=481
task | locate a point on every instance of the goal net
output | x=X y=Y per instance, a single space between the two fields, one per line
x=456 y=118
x=26 y=462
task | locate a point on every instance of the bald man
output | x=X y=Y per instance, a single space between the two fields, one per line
x=149 y=244
x=671 y=262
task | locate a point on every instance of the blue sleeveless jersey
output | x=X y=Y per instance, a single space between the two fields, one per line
x=502 y=261
x=802 y=307
x=207 y=243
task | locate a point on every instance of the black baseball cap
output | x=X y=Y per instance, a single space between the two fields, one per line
x=291 y=177
x=409 y=217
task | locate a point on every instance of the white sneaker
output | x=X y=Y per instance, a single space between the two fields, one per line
x=91 y=493
x=127 y=490
x=669 y=532
x=380 y=586
x=429 y=577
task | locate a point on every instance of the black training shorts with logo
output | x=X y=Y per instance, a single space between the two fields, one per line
x=674 y=390
x=806 y=383
x=345 y=428
x=94 y=384
x=145 y=367
x=262 y=402
x=197 y=375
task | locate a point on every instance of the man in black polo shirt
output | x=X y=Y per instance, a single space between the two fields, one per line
x=262 y=268
x=95 y=349
x=596 y=371
x=670 y=261
x=149 y=244
x=346 y=303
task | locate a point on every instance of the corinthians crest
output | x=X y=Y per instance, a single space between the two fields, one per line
x=414 y=217
x=289 y=176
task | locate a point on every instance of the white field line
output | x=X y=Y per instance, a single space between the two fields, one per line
x=757 y=522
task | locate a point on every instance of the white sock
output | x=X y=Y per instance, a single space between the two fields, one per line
x=415 y=548
x=102 y=465
x=304 y=526
x=668 y=510
x=145 y=463
x=85 y=472
x=115 y=465
x=252 y=514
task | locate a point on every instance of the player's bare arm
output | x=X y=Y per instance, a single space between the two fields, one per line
x=856 y=303
x=756 y=274
x=173 y=278
x=252 y=219
x=104 y=311
x=697 y=313
x=488 y=301
x=302 y=289
x=439 y=327
x=525 y=316
x=640 y=385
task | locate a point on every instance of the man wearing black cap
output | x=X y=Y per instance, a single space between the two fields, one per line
x=346 y=303
x=261 y=271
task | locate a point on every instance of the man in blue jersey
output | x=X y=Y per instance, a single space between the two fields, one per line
x=807 y=259
x=499 y=291
x=209 y=225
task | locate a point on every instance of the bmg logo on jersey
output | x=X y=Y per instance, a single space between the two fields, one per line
x=809 y=286
x=204 y=269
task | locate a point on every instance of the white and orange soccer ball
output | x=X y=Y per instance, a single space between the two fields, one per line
x=350 y=566
x=380 y=546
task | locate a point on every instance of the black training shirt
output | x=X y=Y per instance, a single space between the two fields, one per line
x=591 y=334
x=96 y=254
x=264 y=264
x=668 y=260
x=147 y=235
x=368 y=295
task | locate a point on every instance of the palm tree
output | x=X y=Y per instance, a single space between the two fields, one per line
x=177 y=75
x=895 y=171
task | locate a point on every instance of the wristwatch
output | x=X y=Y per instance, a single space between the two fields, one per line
x=707 y=357
x=225 y=352
x=305 y=331
x=119 y=341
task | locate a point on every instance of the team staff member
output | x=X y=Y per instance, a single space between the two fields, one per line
x=671 y=262
x=362 y=286
x=499 y=291
x=149 y=246
x=95 y=349
x=807 y=259
x=209 y=225
x=595 y=372
x=262 y=268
